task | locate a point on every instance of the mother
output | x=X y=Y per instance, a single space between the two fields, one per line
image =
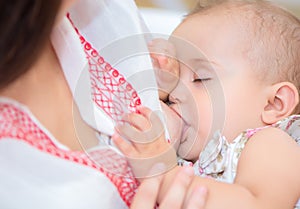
x=42 y=162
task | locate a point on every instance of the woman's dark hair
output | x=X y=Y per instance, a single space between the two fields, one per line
x=25 y=26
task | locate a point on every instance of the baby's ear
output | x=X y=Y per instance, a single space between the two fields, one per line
x=282 y=100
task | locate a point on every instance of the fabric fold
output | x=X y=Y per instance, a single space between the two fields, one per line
x=115 y=31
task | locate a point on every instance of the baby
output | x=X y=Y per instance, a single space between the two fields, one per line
x=238 y=97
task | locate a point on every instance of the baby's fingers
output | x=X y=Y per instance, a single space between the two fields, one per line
x=124 y=146
x=141 y=128
x=139 y=121
x=162 y=46
x=159 y=61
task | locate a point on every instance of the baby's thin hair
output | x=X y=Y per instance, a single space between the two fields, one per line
x=202 y=5
x=272 y=43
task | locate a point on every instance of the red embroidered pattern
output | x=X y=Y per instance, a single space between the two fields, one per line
x=16 y=124
x=110 y=90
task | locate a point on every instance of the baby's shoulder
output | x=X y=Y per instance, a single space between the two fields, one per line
x=270 y=160
x=286 y=131
x=274 y=146
x=270 y=138
x=290 y=125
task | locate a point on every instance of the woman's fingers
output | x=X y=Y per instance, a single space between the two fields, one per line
x=197 y=199
x=175 y=197
x=147 y=194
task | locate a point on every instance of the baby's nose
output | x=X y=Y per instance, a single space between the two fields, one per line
x=172 y=99
x=179 y=94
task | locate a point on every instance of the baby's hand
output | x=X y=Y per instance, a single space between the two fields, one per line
x=166 y=66
x=145 y=143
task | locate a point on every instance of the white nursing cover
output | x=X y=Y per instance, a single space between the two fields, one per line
x=112 y=27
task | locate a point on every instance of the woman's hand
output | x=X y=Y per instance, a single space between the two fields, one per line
x=175 y=198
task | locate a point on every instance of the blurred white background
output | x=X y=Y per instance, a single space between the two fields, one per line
x=162 y=16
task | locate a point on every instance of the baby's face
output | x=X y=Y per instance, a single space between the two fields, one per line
x=218 y=90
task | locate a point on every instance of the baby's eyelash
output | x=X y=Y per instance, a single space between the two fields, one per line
x=201 y=79
x=168 y=102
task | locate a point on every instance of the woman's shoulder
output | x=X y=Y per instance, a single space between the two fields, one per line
x=10 y=108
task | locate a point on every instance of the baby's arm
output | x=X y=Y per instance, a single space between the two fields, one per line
x=166 y=67
x=267 y=175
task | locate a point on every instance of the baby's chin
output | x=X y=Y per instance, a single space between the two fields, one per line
x=186 y=153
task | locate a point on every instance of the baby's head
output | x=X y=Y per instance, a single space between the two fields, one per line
x=252 y=50
x=272 y=37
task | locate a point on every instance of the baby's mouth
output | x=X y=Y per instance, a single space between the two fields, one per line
x=184 y=126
